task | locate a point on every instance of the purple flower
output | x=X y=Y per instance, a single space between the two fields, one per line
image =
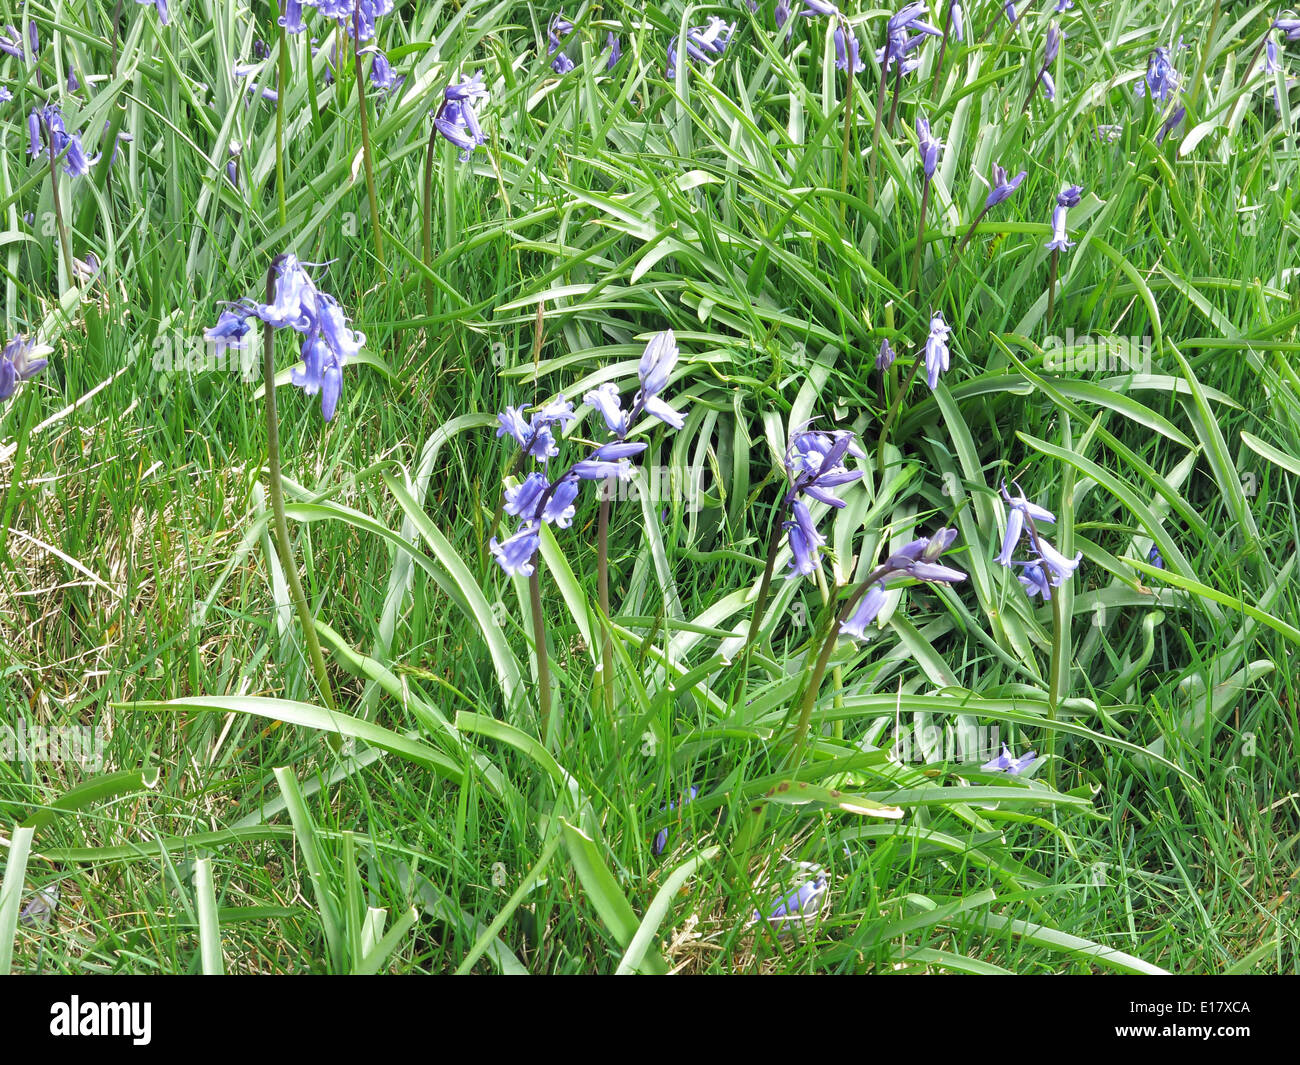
x=232 y=328
x=48 y=120
x=382 y=75
x=1070 y=196
x=930 y=147
x=1059 y=241
x=1155 y=558
x=850 y=60
x=1002 y=188
x=813 y=8
x=1009 y=9
x=1018 y=508
x=515 y=554
x=20 y=361
x=456 y=118
x=801 y=904
x=866 y=612
x=886 y=357
x=815 y=464
x=615 y=51
x=161 y=5
x=5 y=95
x=1034 y=580
x=661 y=839
x=657 y=362
x=936 y=350
x=1289 y=26
x=1007 y=763
x=1171 y=123
x=606 y=400
x=11 y=43
x=1161 y=79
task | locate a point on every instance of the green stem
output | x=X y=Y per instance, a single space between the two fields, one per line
x=426 y=206
x=760 y=605
x=365 y=136
x=1051 y=288
x=602 y=588
x=848 y=130
x=920 y=239
x=277 y=505
x=65 y=240
x=282 y=78
x=875 y=131
x=543 y=663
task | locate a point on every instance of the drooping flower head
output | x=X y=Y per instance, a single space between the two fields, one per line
x=937 y=355
x=46 y=131
x=1047 y=568
x=1161 y=79
x=930 y=146
x=1006 y=762
x=1002 y=187
x=161 y=6
x=814 y=462
x=456 y=118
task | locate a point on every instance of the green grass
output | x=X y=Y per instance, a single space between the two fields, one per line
x=140 y=593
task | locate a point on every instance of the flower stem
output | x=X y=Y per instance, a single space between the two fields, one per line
x=1051 y=288
x=543 y=663
x=65 y=241
x=920 y=238
x=760 y=605
x=277 y=506
x=894 y=407
x=365 y=135
x=602 y=588
x=282 y=76
x=848 y=130
x=427 y=220
x=875 y=129
x=943 y=49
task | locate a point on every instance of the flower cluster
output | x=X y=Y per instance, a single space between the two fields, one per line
x=918 y=560
x=327 y=339
x=704 y=44
x=559 y=28
x=815 y=465
x=1048 y=568
x=20 y=361
x=1050 y=51
x=1002 y=187
x=542 y=500
x=1161 y=79
x=357 y=18
x=1068 y=197
x=47 y=122
x=456 y=118
x=905 y=31
x=930 y=146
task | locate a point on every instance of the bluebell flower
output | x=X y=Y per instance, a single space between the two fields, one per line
x=606 y=400
x=1018 y=509
x=886 y=357
x=958 y=21
x=1063 y=5
x=1008 y=763
x=814 y=8
x=1109 y=133
x=73 y=83
x=297 y=304
x=603 y=469
x=1009 y=9
x=161 y=6
x=20 y=360
x=291 y=20
x=233 y=328
x=48 y=121
x=1033 y=577
x=456 y=118
x=706 y=43
x=661 y=839
x=523 y=499
x=1050 y=52
x=615 y=51
x=1161 y=79
x=937 y=355
x=358 y=24
x=801 y=904
x=5 y=95
x=1171 y=123
x=657 y=362
x=11 y=43
x=1289 y=26
x=815 y=465
x=533 y=435
x=783 y=16
x=382 y=75
x=929 y=145
x=1059 y=241
x=1155 y=558
x=867 y=610
x=1070 y=196
x=1002 y=187
x=851 y=59
x=515 y=554
x=919 y=559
